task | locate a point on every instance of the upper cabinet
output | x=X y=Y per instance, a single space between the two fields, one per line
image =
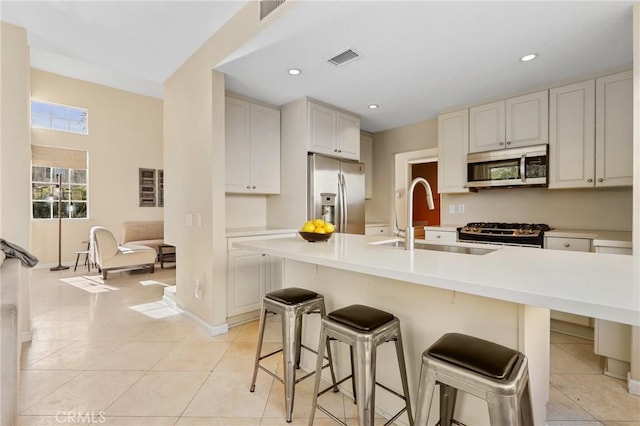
x=252 y=147
x=366 y=157
x=511 y=123
x=453 y=144
x=614 y=130
x=591 y=133
x=334 y=133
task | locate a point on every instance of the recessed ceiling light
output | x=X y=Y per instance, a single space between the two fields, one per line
x=294 y=71
x=374 y=106
x=529 y=57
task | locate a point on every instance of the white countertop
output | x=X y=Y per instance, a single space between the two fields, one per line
x=256 y=230
x=605 y=286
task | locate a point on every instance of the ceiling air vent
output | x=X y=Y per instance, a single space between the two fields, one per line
x=344 y=57
x=268 y=6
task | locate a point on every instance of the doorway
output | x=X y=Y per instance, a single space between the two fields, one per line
x=426 y=163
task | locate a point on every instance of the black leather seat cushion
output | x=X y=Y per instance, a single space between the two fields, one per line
x=481 y=356
x=361 y=317
x=291 y=295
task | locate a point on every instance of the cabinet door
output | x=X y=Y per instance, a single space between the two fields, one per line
x=347 y=136
x=527 y=120
x=486 y=125
x=376 y=230
x=245 y=280
x=322 y=128
x=568 y=244
x=572 y=136
x=453 y=144
x=366 y=157
x=265 y=149
x=273 y=268
x=614 y=130
x=237 y=145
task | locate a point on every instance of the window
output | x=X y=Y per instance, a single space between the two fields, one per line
x=71 y=165
x=45 y=115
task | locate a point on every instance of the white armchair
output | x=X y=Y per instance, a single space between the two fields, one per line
x=109 y=255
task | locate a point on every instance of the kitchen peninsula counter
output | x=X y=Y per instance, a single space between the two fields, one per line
x=596 y=285
x=503 y=296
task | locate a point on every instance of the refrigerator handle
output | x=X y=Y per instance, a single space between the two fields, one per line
x=344 y=203
x=340 y=212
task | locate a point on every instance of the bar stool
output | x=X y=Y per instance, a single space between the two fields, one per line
x=291 y=304
x=492 y=372
x=363 y=328
x=86 y=259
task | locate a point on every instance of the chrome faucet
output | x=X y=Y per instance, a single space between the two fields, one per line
x=409 y=235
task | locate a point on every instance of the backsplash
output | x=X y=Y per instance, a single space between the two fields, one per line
x=603 y=209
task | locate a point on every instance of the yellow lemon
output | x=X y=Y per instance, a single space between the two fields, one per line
x=308 y=227
x=329 y=227
x=318 y=222
x=319 y=230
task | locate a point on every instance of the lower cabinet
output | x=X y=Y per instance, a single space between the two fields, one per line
x=569 y=244
x=612 y=340
x=435 y=234
x=250 y=276
x=376 y=230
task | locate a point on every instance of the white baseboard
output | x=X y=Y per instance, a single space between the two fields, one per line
x=213 y=330
x=634 y=385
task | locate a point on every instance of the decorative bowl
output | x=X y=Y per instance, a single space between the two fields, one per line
x=313 y=237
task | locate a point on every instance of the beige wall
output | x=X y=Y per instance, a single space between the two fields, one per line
x=15 y=151
x=195 y=158
x=386 y=144
x=125 y=133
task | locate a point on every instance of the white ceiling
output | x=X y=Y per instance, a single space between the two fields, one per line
x=418 y=57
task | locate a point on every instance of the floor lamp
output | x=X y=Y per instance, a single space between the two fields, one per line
x=60 y=266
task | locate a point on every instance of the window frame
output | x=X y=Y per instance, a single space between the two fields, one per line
x=67 y=190
x=50 y=117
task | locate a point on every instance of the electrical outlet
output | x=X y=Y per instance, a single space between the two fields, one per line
x=198 y=289
x=461 y=208
x=452 y=209
x=188 y=219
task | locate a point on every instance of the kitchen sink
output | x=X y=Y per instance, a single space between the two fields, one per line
x=451 y=248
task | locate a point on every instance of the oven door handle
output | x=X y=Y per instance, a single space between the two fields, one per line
x=523 y=169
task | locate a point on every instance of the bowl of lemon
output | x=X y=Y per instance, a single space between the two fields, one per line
x=317 y=230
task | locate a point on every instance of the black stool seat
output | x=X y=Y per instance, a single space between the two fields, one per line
x=360 y=317
x=480 y=356
x=291 y=295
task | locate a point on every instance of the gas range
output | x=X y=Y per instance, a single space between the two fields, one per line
x=520 y=234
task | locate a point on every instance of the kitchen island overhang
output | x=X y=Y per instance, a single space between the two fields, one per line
x=604 y=286
x=503 y=296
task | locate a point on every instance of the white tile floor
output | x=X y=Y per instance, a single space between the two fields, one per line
x=93 y=359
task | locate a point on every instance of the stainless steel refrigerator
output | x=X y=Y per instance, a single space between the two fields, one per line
x=336 y=192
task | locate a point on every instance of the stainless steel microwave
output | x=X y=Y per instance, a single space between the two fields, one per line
x=508 y=167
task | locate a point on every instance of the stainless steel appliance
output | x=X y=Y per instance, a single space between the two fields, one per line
x=336 y=190
x=520 y=234
x=508 y=167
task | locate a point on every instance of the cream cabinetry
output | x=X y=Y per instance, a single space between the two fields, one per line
x=453 y=146
x=366 y=157
x=569 y=244
x=252 y=147
x=250 y=276
x=440 y=234
x=612 y=340
x=510 y=123
x=591 y=133
x=614 y=130
x=377 y=230
x=334 y=133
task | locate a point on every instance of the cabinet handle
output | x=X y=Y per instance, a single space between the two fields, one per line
x=501 y=143
x=508 y=142
x=382 y=231
x=567 y=245
x=438 y=236
x=339 y=150
x=600 y=180
x=254 y=187
x=248 y=186
x=335 y=150
x=589 y=180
